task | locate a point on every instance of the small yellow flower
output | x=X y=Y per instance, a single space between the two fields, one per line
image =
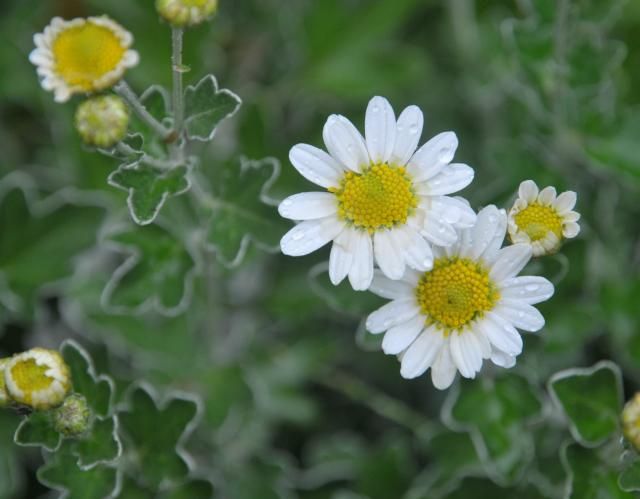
x=541 y=219
x=82 y=55
x=4 y=396
x=183 y=13
x=631 y=421
x=38 y=378
x=102 y=121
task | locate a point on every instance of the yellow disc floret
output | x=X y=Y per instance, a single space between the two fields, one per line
x=537 y=220
x=85 y=53
x=381 y=197
x=455 y=292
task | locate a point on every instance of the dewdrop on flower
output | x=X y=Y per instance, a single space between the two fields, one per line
x=37 y=378
x=183 y=13
x=542 y=219
x=82 y=55
x=467 y=308
x=631 y=421
x=102 y=121
x=4 y=396
x=72 y=417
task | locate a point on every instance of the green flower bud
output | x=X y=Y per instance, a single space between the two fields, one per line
x=183 y=13
x=37 y=378
x=72 y=417
x=102 y=121
x=4 y=396
x=631 y=421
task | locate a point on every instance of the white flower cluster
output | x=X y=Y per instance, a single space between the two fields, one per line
x=456 y=297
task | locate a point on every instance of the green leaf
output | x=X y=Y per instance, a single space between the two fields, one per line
x=192 y=489
x=629 y=478
x=62 y=473
x=149 y=188
x=36 y=430
x=131 y=153
x=100 y=445
x=206 y=106
x=592 y=473
x=98 y=390
x=10 y=476
x=156 y=100
x=52 y=230
x=483 y=488
x=591 y=399
x=242 y=210
x=157 y=433
x=157 y=274
x=496 y=414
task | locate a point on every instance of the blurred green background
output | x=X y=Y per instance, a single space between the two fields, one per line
x=299 y=400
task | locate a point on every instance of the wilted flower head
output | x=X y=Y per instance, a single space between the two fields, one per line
x=542 y=219
x=631 y=421
x=384 y=200
x=186 y=12
x=465 y=309
x=37 y=378
x=82 y=55
x=102 y=121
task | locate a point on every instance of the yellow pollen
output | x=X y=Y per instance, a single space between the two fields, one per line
x=83 y=54
x=537 y=220
x=30 y=377
x=380 y=197
x=455 y=292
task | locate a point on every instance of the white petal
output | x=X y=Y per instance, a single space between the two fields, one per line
x=429 y=160
x=390 y=261
x=483 y=232
x=399 y=337
x=491 y=252
x=529 y=289
x=443 y=370
x=361 y=272
x=466 y=353
x=341 y=257
x=417 y=252
x=528 y=191
x=311 y=235
x=571 y=216
x=570 y=230
x=452 y=178
x=483 y=341
x=316 y=165
x=547 y=196
x=408 y=131
x=393 y=313
x=389 y=288
x=308 y=206
x=380 y=129
x=501 y=334
x=421 y=354
x=345 y=143
x=521 y=315
x=565 y=202
x=510 y=261
x=501 y=359
x=455 y=211
x=439 y=232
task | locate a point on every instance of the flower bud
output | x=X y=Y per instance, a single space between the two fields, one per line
x=631 y=421
x=72 y=417
x=183 y=13
x=4 y=396
x=102 y=121
x=37 y=378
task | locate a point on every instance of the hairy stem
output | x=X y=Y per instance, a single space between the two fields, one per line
x=149 y=160
x=124 y=90
x=177 y=95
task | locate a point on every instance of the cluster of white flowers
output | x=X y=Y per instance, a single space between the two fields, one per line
x=456 y=297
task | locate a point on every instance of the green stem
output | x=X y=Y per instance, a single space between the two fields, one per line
x=149 y=160
x=177 y=95
x=124 y=90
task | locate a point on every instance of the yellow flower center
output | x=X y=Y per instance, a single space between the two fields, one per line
x=380 y=197
x=537 y=220
x=455 y=292
x=83 y=54
x=30 y=377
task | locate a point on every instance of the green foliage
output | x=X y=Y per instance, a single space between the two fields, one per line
x=591 y=399
x=206 y=106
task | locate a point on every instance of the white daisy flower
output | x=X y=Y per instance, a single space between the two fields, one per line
x=4 y=396
x=384 y=200
x=465 y=309
x=542 y=219
x=82 y=55
x=38 y=378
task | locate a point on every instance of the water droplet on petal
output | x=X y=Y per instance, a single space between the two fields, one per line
x=297 y=235
x=531 y=287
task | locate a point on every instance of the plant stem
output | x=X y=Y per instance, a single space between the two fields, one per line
x=149 y=160
x=177 y=95
x=124 y=90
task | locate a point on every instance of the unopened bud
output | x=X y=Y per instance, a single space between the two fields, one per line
x=631 y=421
x=182 y=13
x=72 y=417
x=102 y=121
